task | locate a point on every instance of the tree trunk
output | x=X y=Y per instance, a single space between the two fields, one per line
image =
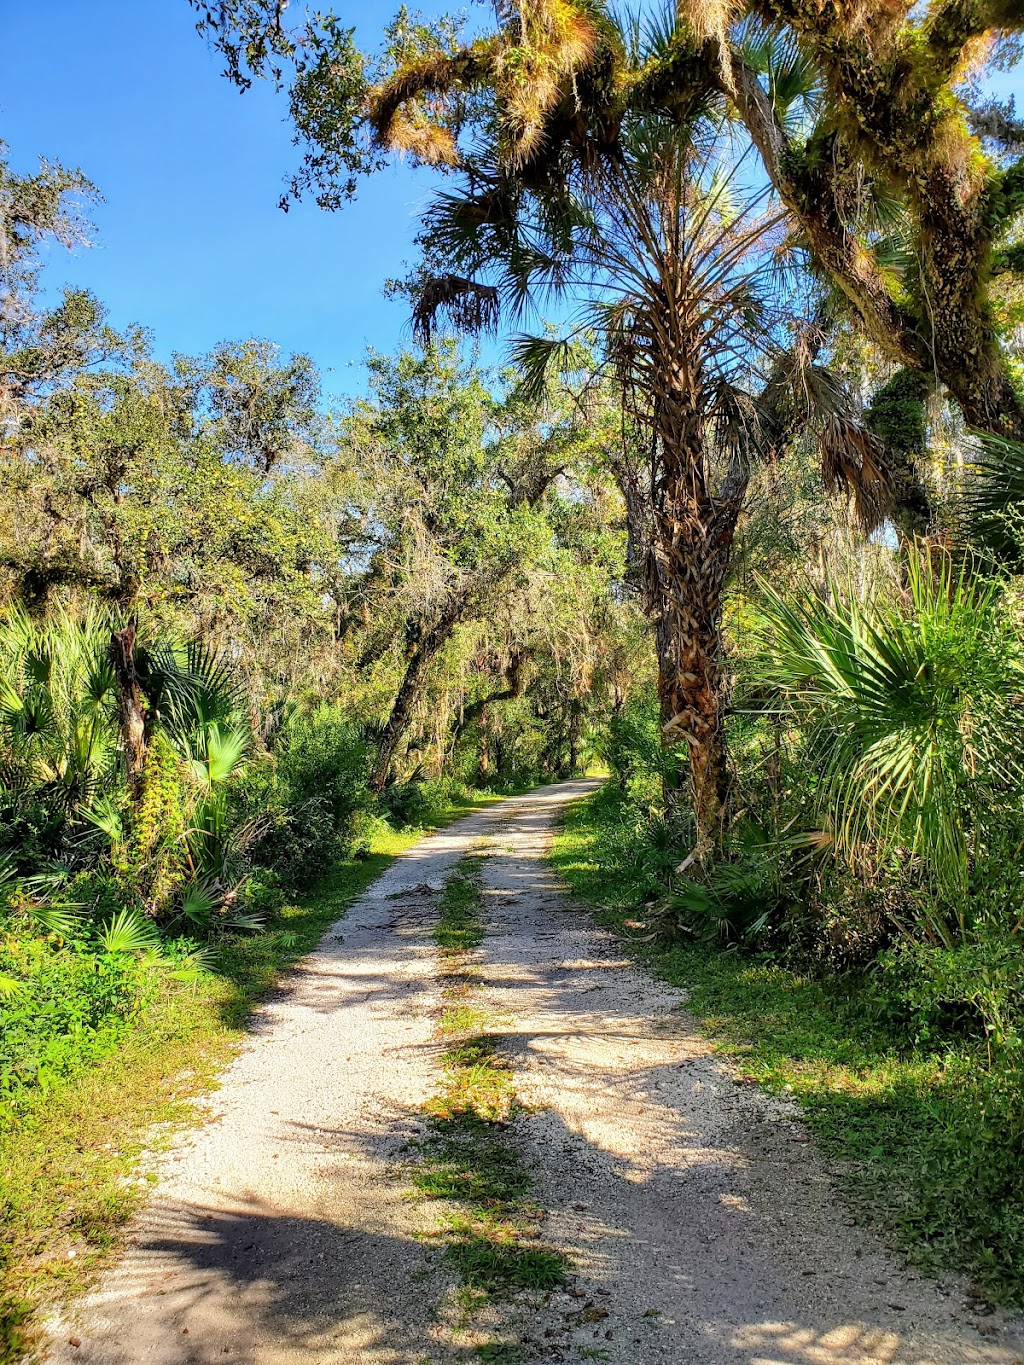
x=687 y=564
x=131 y=715
x=401 y=709
x=485 y=749
x=409 y=691
x=575 y=735
x=690 y=693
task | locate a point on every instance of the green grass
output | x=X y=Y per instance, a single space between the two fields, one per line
x=928 y=1140
x=69 y=1162
x=466 y=1160
x=459 y=928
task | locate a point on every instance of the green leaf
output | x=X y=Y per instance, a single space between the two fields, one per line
x=128 y=931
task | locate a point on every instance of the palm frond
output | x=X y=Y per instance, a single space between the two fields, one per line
x=12 y=989
x=990 y=504
x=64 y=920
x=912 y=708
x=853 y=461
x=199 y=901
x=468 y=305
x=540 y=359
x=128 y=931
x=222 y=749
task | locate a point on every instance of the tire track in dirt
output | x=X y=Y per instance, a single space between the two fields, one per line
x=704 y=1224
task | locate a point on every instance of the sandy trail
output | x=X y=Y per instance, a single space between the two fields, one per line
x=704 y=1229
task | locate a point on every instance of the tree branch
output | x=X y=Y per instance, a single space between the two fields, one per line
x=814 y=202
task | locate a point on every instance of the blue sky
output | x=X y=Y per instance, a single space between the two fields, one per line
x=190 y=241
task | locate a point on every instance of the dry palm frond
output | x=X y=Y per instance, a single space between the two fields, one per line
x=853 y=459
x=469 y=306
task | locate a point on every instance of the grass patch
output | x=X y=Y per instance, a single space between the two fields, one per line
x=69 y=1162
x=459 y=928
x=477 y=1083
x=461 y=1019
x=466 y=1160
x=926 y=1135
x=494 y=1260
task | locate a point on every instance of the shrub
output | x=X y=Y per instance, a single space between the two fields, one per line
x=422 y=802
x=976 y=986
x=64 y=1005
x=633 y=748
x=910 y=708
x=305 y=800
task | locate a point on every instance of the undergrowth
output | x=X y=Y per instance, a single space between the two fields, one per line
x=489 y=1232
x=925 y=1132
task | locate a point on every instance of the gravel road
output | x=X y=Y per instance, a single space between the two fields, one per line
x=703 y=1225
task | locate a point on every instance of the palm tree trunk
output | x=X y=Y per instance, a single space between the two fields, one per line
x=690 y=554
x=130 y=706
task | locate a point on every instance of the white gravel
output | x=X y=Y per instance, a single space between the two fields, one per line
x=704 y=1227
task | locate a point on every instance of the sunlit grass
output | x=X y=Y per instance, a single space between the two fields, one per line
x=467 y=1159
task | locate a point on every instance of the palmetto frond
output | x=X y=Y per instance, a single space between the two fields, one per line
x=190 y=687
x=538 y=359
x=218 y=752
x=991 y=501
x=912 y=707
x=128 y=931
x=59 y=732
x=56 y=703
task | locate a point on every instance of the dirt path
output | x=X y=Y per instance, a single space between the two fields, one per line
x=703 y=1228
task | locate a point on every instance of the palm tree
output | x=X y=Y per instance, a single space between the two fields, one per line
x=585 y=153
x=83 y=750
x=558 y=80
x=668 y=253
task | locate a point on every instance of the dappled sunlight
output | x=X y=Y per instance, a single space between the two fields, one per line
x=696 y=1204
x=698 y=1225
x=787 y=1343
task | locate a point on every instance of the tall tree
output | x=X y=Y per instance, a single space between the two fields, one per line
x=642 y=231
x=43 y=345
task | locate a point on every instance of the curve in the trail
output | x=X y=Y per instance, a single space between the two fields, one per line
x=281 y=1230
